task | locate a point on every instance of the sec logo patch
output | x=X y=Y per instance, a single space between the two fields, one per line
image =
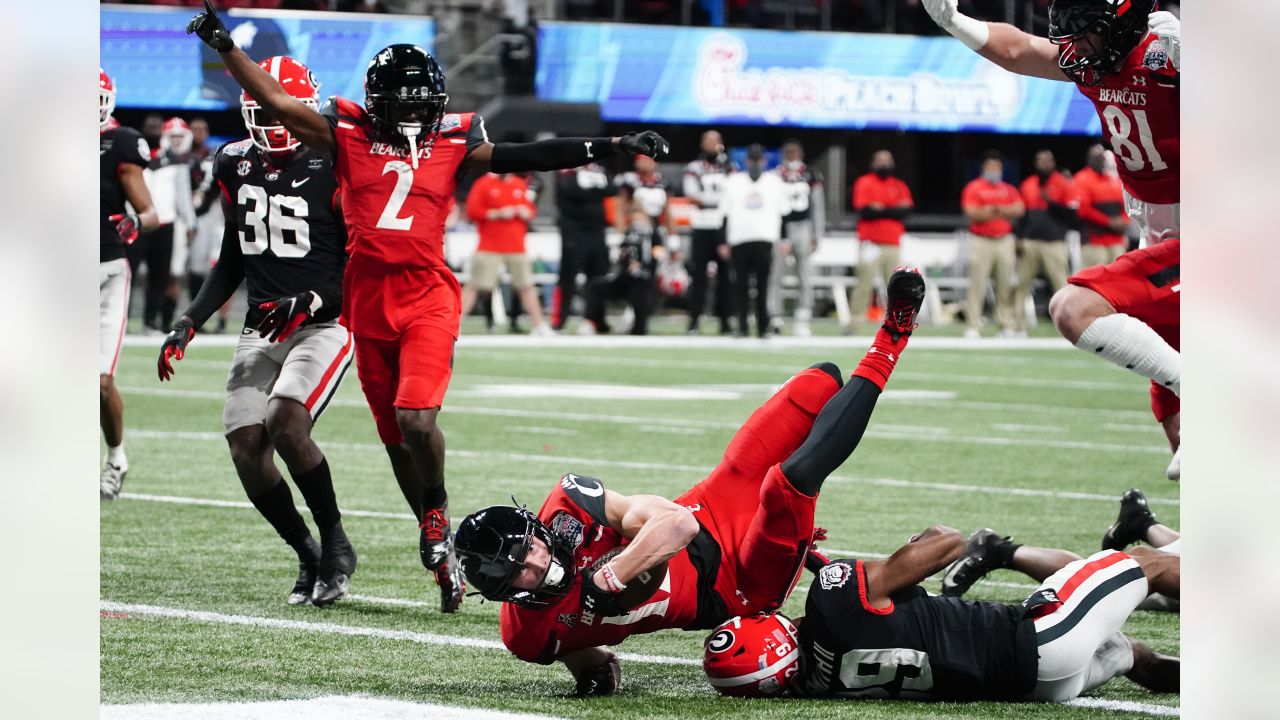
x=243 y=168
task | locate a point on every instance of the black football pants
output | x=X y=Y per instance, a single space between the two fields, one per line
x=582 y=250
x=704 y=251
x=752 y=262
x=156 y=250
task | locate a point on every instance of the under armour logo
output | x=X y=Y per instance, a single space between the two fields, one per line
x=588 y=144
x=886 y=354
x=1139 y=80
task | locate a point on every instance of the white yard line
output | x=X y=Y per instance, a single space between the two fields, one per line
x=329 y=707
x=422 y=638
x=682 y=342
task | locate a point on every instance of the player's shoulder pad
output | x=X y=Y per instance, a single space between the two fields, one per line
x=587 y=493
x=337 y=109
x=231 y=152
x=836 y=581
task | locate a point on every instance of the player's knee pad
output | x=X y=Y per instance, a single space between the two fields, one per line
x=831 y=369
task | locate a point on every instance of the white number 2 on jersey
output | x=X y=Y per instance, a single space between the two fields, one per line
x=1119 y=127
x=265 y=221
x=391 y=219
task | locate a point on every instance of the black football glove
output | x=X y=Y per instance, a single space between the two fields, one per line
x=644 y=143
x=599 y=681
x=209 y=28
x=174 y=346
x=286 y=315
x=597 y=600
x=127 y=226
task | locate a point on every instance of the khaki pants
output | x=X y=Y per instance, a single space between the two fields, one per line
x=988 y=256
x=1091 y=255
x=1049 y=255
x=875 y=261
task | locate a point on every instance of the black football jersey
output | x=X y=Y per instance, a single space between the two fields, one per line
x=704 y=183
x=649 y=192
x=800 y=182
x=922 y=647
x=291 y=237
x=116 y=147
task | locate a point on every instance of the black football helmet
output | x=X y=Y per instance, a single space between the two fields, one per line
x=492 y=544
x=404 y=94
x=1095 y=36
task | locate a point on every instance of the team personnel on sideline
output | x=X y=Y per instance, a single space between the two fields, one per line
x=1126 y=59
x=992 y=205
x=1100 y=206
x=501 y=207
x=397 y=158
x=802 y=228
x=580 y=194
x=284 y=235
x=704 y=180
x=870 y=631
x=733 y=544
x=122 y=155
x=882 y=200
x=1050 y=204
x=754 y=204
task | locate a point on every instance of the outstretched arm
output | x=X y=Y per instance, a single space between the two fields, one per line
x=562 y=153
x=306 y=124
x=922 y=556
x=1001 y=43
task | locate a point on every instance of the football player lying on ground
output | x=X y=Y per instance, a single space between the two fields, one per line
x=986 y=550
x=594 y=567
x=282 y=376
x=871 y=631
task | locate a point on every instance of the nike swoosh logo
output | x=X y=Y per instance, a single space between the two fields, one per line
x=298 y=183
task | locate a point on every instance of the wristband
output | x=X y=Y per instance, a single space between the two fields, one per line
x=973 y=33
x=611 y=579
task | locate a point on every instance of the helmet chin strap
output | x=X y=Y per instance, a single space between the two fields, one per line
x=411 y=131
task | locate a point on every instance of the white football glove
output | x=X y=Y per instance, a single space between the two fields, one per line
x=973 y=33
x=1165 y=25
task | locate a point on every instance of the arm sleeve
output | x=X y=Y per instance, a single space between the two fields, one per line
x=553 y=154
x=225 y=276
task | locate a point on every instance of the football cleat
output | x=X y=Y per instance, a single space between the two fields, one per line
x=307 y=571
x=337 y=565
x=434 y=543
x=977 y=561
x=1131 y=524
x=111 y=481
x=452 y=584
x=906 y=295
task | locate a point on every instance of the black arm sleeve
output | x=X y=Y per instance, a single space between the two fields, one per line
x=553 y=154
x=225 y=277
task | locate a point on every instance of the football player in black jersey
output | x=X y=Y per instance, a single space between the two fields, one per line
x=285 y=235
x=633 y=276
x=803 y=227
x=122 y=154
x=703 y=181
x=871 y=631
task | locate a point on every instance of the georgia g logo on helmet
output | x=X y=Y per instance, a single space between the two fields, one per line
x=1095 y=36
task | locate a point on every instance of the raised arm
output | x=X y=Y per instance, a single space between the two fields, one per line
x=922 y=556
x=1001 y=43
x=305 y=123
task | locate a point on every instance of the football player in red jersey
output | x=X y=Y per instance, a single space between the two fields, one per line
x=1125 y=57
x=122 y=154
x=734 y=543
x=398 y=158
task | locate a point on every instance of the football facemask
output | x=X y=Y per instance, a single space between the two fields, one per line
x=265 y=130
x=106 y=99
x=1094 y=36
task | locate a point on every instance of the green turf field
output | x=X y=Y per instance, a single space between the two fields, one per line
x=1035 y=443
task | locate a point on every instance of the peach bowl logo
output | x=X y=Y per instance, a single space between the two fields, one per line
x=723 y=85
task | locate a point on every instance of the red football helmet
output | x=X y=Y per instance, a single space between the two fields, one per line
x=176 y=136
x=752 y=656
x=297 y=80
x=106 y=98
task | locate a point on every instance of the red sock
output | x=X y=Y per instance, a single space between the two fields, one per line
x=879 y=361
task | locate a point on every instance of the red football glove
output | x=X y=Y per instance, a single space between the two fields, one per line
x=287 y=314
x=127 y=226
x=174 y=346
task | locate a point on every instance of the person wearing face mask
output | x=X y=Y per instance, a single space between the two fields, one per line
x=991 y=204
x=704 y=180
x=802 y=226
x=1047 y=195
x=1100 y=196
x=754 y=203
x=881 y=200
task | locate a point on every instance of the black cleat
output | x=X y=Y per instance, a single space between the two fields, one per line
x=337 y=565
x=1131 y=524
x=979 y=559
x=434 y=540
x=453 y=587
x=906 y=296
x=308 y=570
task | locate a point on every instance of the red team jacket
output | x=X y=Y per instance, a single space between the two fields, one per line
x=395 y=217
x=575 y=509
x=979 y=192
x=1100 y=198
x=495 y=191
x=890 y=192
x=1138 y=106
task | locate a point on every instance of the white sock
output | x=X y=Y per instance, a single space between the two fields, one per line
x=115 y=456
x=1132 y=344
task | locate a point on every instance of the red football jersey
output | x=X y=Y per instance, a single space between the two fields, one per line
x=1138 y=106
x=395 y=213
x=575 y=510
